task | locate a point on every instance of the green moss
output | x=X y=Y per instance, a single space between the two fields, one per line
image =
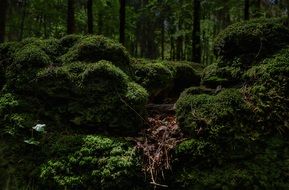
x=22 y=71
x=96 y=48
x=268 y=91
x=89 y=161
x=155 y=77
x=69 y=41
x=195 y=111
x=96 y=94
x=136 y=94
x=264 y=170
x=195 y=91
x=252 y=40
x=184 y=76
x=214 y=75
x=50 y=46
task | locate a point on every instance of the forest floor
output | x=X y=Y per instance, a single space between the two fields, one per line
x=158 y=140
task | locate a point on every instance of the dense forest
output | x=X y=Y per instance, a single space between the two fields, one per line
x=144 y=94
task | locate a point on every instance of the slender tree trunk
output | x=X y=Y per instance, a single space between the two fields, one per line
x=196 y=37
x=3 y=11
x=122 y=22
x=70 y=17
x=100 y=22
x=163 y=39
x=89 y=16
x=246 y=10
x=287 y=4
x=22 y=24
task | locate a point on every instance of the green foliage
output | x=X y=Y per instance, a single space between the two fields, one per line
x=96 y=48
x=92 y=161
x=251 y=40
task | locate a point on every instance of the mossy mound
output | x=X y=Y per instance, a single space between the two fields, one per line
x=44 y=100
x=96 y=94
x=26 y=63
x=95 y=48
x=184 y=76
x=155 y=77
x=238 y=138
x=251 y=40
x=268 y=91
x=226 y=148
x=166 y=78
x=86 y=162
x=228 y=76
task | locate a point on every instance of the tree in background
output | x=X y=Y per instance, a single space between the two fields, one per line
x=196 y=34
x=3 y=11
x=89 y=16
x=122 y=22
x=246 y=10
x=70 y=17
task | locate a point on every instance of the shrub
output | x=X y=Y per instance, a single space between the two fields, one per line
x=252 y=40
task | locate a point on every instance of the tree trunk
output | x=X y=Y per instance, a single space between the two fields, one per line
x=70 y=17
x=287 y=4
x=196 y=37
x=122 y=22
x=3 y=11
x=22 y=24
x=246 y=10
x=163 y=39
x=89 y=17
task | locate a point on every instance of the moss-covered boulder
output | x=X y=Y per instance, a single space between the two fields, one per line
x=166 y=79
x=155 y=77
x=228 y=76
x=95 y=48
x=26 y=63
x=268 y=91
x=98 y=95
x=184 y=75
x=225 y=147
x=251 y=40
x=86 y=162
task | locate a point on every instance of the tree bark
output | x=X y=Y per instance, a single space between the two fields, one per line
x=246 y=10
x=22 y=24
x=70 y=17
x=122 y=22
x=89 y=17
x=196 y=34
x=3 y=12
x=163 y=39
